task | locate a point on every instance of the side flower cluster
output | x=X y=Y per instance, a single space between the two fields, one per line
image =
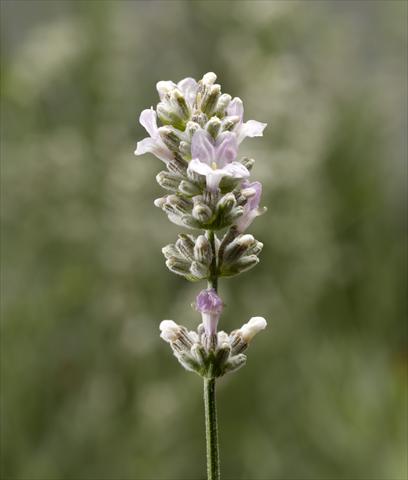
x=193 y=257
x=208 y=188
x=207 y=352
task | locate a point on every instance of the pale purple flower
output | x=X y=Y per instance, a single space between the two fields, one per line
x=216 y=159
x=251 y=128
x=188 y=87
x=210 y=305
x=251 y=209
x=154 y=143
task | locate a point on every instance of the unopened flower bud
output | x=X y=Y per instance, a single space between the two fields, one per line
x=247 y=262
x=221 y=356
x=222 y=104
x=239 y=266
x=226 y=203
x=170 y=331
x=237 y=248
x=194 y=177
x=190 y=222
x=235 y=213
x=178 y=166
x=177 y=97
x=209 y=78
x=191 y=128
x=199 y=270
x=202 y=250
x=178 y=266
x=168 y=180
x=185 y=245
x=188 y=361
x=160 y=202
x=229 y=123
x=202 y=213
x=235 y=362
x=255 y=249
x=210 y=99
x=168 y=116
x=169 y=137
x=250 y=329
x=181 y=205
x=200 y=354
x=213 y=126
x=164 y=113
x=170 y=251
x=185 y=149
x=189 y=188
x=169 y=209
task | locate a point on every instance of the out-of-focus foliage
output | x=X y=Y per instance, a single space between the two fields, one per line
x=88 y=389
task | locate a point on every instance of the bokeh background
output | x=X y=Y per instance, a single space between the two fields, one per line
x=89 y=391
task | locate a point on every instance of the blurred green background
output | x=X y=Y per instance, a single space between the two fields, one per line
x=89 y=391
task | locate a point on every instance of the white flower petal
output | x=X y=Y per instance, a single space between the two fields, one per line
x=188 y=87
x=199 y=167
x=144 y=146
x=149 y=120
x=251 y=128
x=202 y=147
x=164 y=87
x=155 y=146
x=245 y=220
x=253 y=202
x=236 y=107
x=236 y=170
x=214 y=178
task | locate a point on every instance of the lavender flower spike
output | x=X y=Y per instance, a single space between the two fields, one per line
x=196 y=130
x=210 y=305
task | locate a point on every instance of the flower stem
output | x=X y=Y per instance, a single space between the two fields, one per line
x=211 y=430
x=211 y=427
x=213 y=279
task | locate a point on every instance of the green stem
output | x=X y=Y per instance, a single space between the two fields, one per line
x=213 y=280
x=211 y=427
x=211 y=430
